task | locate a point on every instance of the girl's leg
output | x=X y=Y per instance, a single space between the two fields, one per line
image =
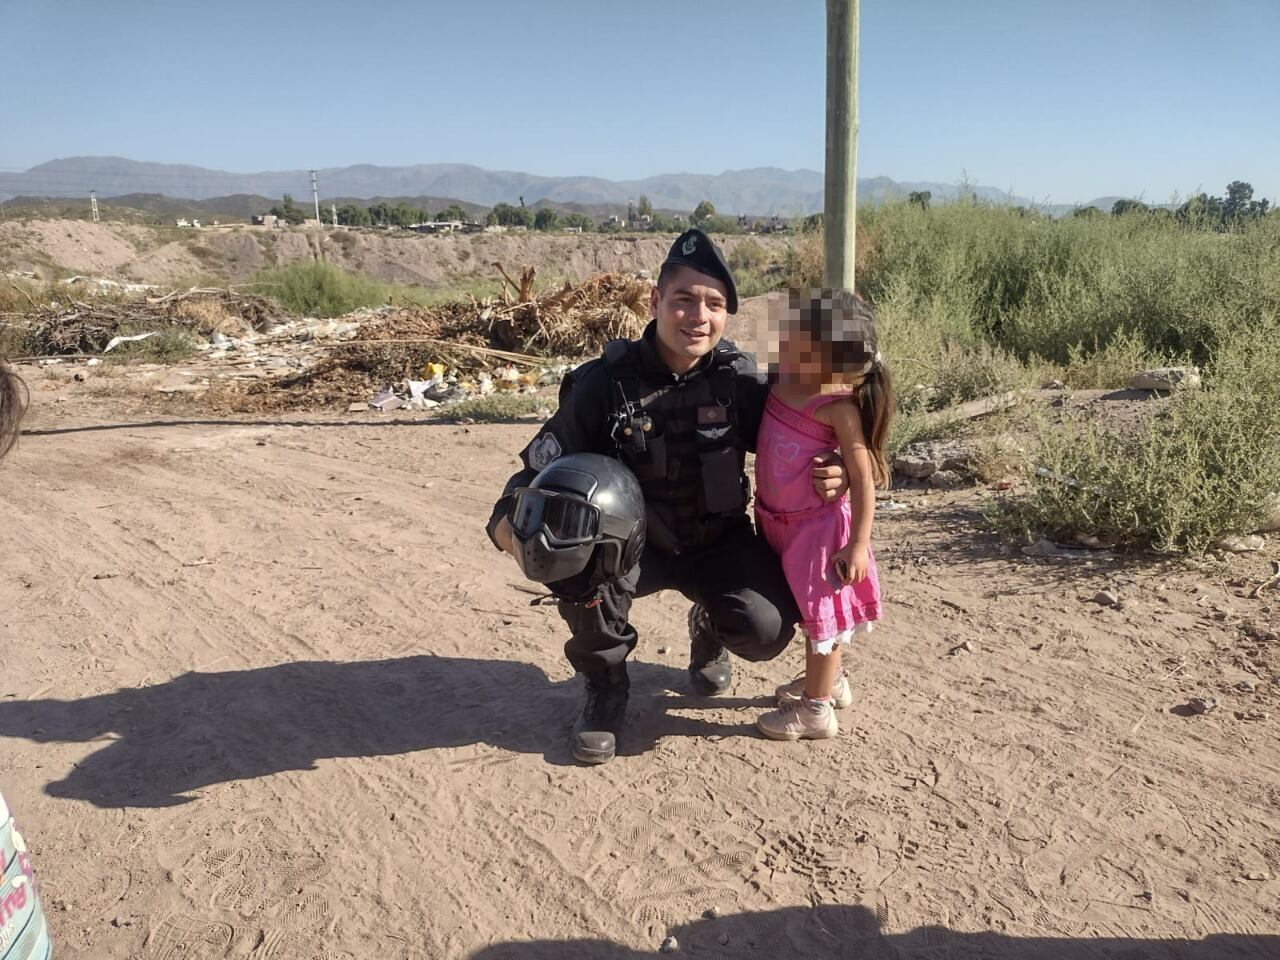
x=820 y=672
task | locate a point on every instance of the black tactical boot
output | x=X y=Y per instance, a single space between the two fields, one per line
x=709 y=666
x=595 y=733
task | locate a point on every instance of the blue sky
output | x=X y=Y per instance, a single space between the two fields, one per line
x=1060 y=102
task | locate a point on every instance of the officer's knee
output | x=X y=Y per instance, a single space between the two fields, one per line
x=753 y=630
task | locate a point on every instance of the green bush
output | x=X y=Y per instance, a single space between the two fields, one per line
x=316 y=289
x=1205 y=465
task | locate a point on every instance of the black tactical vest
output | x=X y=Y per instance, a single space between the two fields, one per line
x=681 y=439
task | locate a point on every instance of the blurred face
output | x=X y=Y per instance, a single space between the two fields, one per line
x=691 y=310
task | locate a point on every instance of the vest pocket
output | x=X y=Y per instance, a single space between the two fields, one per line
x=722 y=481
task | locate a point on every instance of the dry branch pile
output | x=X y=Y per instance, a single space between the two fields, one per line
x=87 y=326
x=471 y=336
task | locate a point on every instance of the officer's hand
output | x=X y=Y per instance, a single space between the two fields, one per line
x=830 y=478
x=502 y=533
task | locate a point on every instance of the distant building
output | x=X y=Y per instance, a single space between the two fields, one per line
x=265 y=220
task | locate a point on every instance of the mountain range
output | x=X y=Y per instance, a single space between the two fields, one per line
x=758 y=191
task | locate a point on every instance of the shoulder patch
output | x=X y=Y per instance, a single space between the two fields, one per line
x=543 y=450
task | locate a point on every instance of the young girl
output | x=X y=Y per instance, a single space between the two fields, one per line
x=831 y=390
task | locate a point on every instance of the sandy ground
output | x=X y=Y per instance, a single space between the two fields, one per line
x=267 y=691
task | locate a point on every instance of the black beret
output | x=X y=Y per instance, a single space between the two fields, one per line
x=693 y=248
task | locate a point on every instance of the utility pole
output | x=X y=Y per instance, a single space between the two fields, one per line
x=93 y=204
x=841 y=179
x=315 y=197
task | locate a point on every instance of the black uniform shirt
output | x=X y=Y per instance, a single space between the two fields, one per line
x=588 y=399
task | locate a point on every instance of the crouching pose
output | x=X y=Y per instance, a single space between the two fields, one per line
x=680 y=407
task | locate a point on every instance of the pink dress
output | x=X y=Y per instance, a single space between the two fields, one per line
x=805 y=532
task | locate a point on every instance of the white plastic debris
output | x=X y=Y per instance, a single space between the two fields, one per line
x=116 y=341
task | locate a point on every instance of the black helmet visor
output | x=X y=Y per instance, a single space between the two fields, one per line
x=565 y=518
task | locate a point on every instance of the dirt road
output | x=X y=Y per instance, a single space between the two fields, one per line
x=267 y=691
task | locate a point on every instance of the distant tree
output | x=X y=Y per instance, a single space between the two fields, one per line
x=721 y=225
x=1086 y=212
x=1201 y=212
x=580 y=220
x=644 y=207
x=546 y=220
x=702 y=212
x=349 y=215
x=810 y=223
x=631 y=212
x=288 y=211
x=1123 y=206
x=663 y=224
x=504 y=214
x=1236 y=206
x=920 y=198
x=452 y=212
x=610 y=226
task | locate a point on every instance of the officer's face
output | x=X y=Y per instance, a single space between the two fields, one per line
x=691 y=311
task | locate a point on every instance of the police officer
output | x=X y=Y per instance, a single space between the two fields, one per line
x=681 y=407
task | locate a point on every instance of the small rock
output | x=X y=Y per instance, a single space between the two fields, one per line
x=945 y=480
x=724 y=939
x=1246 y=686
x=357 y=407
x=1092 y=542
x=663 y=651
x=1105 y=598
x=1053 y=385
x=917 y=468
x=1234 y=544
x=965 y=646
x=1203 y=705
x=1166 y=378
x=711 y=913
x=670 y=945
x=891 y=506
x=1257 y=875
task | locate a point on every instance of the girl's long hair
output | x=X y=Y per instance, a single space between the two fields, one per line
x=873 y=397
x=13 y=404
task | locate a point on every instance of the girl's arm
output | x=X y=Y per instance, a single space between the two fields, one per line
x=842 y=417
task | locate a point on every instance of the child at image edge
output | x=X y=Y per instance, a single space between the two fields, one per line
x=831 y=390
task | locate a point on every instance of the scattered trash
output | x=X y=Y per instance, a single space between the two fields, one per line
x=116 y=341
x=1105 y=598
x=1166 y=379
x=891 y=506
x=385 y=401
x=1232 y=543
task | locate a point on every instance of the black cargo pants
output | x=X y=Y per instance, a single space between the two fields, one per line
x=738 y=580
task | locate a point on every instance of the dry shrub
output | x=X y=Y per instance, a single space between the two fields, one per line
x=208 y=316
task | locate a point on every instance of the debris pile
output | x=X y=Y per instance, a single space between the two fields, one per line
x=72 y=326
x=512 y=343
